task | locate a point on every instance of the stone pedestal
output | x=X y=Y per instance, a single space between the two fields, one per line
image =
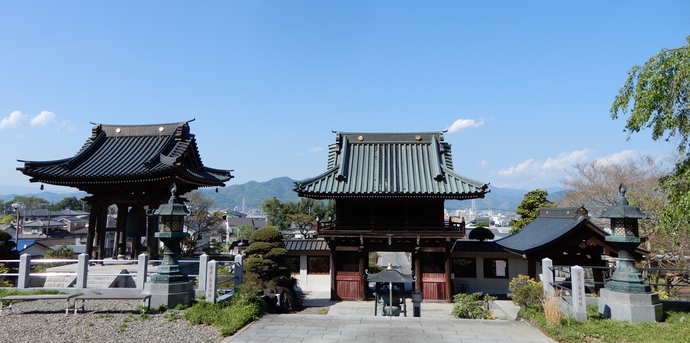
x=631 y=307
x=170 y=294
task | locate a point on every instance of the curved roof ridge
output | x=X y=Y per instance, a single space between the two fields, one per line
x=143 y=129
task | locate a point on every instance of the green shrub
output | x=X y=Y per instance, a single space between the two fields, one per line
x=526 y=292
x=266 y=257
x=472 y=306
x=227 y=316
x=5 y=281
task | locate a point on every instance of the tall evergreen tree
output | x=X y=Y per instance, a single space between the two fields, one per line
x=528 y=209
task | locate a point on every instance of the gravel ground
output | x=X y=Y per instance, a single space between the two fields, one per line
x=103 y=322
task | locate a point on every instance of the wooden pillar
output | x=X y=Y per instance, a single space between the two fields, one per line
x=100 y=230
x=334 y=283
x=417 y=267
x=90 y=233
x=449 y=285
x=598 y=276
x=119 y=248
x=363 y=258
x=151 y=240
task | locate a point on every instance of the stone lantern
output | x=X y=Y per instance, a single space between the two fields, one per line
x=625 y=238
x=626 y=296
x=170 y=286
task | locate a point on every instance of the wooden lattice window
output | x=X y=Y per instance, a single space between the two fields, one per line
x=496 y=268
x=318 y=265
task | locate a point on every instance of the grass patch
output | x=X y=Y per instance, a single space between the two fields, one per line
x=323 y=310
x=227 y=316
x=172 y=315
x=6 y=292
x=674 y=328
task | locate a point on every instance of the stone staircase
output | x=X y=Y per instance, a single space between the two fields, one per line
x=123 y=280
x=61 y=281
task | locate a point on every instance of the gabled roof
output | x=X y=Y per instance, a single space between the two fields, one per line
x=25 y=244
x=131 y=154
x=306 y=245
x=416 y=164
x=551 y=226
x=42 y=223
x=73 y=213
x=244 y=221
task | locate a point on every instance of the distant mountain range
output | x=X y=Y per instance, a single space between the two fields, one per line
x=252 y=194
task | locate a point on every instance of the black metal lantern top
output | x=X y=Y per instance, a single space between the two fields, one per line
x=173 y=213
x=624 y=218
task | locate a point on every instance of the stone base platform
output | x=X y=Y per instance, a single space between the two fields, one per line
x=630 y=307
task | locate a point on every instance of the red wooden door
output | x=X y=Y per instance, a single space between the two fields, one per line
x=348 y=284
x=434 y=286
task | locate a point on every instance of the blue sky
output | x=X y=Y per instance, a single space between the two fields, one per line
x=523 y=87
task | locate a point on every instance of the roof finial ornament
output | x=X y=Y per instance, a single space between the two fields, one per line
x=621 y=199
x=173 y=194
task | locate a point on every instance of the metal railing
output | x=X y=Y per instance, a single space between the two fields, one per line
x=681 y=276
x=79 y=268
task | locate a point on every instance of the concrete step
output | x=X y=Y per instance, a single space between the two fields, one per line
x=98 y=281
x=62 y=281
x=505 y=309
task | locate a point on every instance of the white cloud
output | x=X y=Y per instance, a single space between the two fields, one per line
x=17 y=119
x=566 y=160
x=316 y=149
x=484 y=163
x=462 y=124
x=66 y=126
x=45 y=117
x=518 y=169
x=561 y=162
x=541 y=173
x=13 y=120
x=617 y=158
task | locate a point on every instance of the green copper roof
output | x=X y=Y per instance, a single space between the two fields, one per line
x=390 y=165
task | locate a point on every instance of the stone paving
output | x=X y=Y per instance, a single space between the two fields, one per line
x=350 y=321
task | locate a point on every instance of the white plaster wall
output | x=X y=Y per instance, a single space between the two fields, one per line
x=311 y=283
x=490 y=285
